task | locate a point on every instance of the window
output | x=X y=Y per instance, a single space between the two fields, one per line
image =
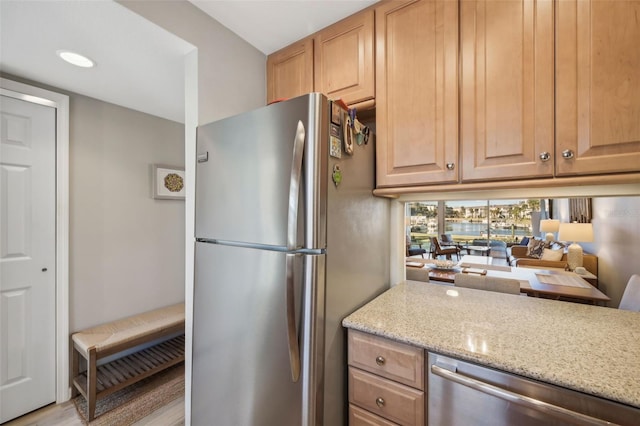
x=468 y=220
x=422 y=223
x=465 y=220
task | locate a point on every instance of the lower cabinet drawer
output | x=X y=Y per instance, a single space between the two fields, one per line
x=360 y=417
x=393 y=401
x=396 y=361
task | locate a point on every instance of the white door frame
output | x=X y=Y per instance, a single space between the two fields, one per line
x=61 y=103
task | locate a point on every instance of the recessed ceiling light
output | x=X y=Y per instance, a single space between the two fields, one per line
x=75 y=58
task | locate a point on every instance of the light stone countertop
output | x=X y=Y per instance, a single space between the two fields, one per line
x=591 y=349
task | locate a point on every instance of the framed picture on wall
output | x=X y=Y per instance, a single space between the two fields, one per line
x=168 y=182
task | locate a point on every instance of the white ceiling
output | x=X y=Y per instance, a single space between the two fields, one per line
x=270 y=25
x=140 y=65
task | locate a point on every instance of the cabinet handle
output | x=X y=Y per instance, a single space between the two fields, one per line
x=380 y=360
x=516 y=398
x=545 y=156
x=451 y=166
x=380 y=402
x=567 y=154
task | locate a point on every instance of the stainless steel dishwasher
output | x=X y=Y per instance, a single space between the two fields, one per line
x=462 y=393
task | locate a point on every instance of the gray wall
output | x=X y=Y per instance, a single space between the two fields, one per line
x=231 y=72
x=126 y=248
x=616 y=230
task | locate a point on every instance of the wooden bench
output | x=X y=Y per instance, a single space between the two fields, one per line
x=96 y=343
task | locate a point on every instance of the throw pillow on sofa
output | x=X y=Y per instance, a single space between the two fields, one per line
x=535 y=248
x=550 y=254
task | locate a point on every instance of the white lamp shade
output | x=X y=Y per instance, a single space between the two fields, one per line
x=575 y=232
x=549 y=225
x=580 y=232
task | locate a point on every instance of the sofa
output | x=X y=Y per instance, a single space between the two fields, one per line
x=517 y=256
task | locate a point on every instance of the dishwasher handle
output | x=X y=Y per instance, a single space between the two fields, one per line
x=516 y=398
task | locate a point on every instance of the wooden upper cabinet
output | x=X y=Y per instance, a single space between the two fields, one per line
x=416 y=92
x=290 y=71
x=506 y=91
x=597 y=86
x=343 y=59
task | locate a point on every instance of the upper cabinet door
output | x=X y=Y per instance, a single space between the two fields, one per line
x=290 y=71
x=416 y=92
x=344 y=59
x=598 y=87
x=506 y=89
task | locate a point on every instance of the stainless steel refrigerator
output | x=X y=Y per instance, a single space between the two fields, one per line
x=289 y=241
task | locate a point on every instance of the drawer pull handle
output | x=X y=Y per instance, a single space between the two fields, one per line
x=380 y=402
x=380 y=360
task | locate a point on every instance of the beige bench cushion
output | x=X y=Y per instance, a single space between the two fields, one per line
x=106 y=336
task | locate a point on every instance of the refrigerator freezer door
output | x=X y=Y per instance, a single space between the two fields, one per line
x=244 y=175
x=242 y=373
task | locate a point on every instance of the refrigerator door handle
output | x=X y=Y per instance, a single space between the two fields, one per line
x=294 y=187
x=292 y=241
x=292 y=332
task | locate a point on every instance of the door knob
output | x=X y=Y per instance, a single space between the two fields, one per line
x=545 y=156
x=567 y=154
x=451 y=166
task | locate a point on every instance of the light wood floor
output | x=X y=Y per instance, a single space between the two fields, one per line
x=65 y=414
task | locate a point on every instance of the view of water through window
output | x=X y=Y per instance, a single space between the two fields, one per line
x=470 y=221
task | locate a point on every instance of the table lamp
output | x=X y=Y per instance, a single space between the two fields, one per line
x=575 y=232
x=549 y=226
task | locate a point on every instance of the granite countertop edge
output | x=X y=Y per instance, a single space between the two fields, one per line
x=590 y=349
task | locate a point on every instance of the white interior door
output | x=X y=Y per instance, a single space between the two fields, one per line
x=27 y=257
